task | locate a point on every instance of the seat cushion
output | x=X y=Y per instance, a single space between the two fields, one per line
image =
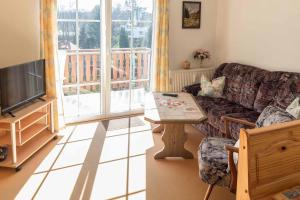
x=215 y=114
x=234 y=128
x=208 y=103
x=213 y=161
x=208 y=130
x=218 y=107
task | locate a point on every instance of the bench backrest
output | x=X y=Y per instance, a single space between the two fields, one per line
x=269 y=160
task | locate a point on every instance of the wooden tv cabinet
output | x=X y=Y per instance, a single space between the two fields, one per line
x=28 y=131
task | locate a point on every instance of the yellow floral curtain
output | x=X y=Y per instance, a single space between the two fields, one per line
x=161 y=48
x=48 y=48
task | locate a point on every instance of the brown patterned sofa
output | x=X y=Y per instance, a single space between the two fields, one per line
x=248 y=90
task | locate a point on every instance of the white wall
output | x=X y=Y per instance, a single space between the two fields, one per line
x=19 y=31
x=184 y=41
x=262 y=33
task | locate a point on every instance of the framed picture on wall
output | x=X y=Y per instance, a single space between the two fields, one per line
x=191 y=14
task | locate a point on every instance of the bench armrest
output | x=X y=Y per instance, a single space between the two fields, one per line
x=192 y=89
x=228 y=120
x=233 y=171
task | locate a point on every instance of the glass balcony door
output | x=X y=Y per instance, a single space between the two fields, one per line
x=104 y=73
x=79 y=42
x=131 y=42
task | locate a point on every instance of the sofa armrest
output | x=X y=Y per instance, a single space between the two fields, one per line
x=228 y=120
x=192 y=89
x=233 y=171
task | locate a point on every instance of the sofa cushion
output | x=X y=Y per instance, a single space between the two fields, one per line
x=294 y=108
x=242 y=83
x=213 y=160
x=234 y=128
x=218 y=107
x=208 y=130
x=212 y=88
x=267 y=91
x=207 y=103
x=215 y=114
x=288 y=89
x=273 y=115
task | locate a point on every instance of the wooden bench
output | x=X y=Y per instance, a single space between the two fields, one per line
x=269 y=160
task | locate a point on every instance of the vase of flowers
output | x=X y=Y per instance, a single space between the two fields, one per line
x=201 y=54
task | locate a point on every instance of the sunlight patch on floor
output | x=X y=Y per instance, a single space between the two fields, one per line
x=31 y=187
x=110 y=180
x=49 y=160
x=137 y=174
x=140 y=142
x=59 y=184
x=73 y=154
x=114 y=148
x=117 y=132
x=83 y=132
x=119 y=172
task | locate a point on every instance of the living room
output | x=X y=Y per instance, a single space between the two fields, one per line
x=149 y=99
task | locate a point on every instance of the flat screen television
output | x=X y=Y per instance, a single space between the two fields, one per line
x=21 y=84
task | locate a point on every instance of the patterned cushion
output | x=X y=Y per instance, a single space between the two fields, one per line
x=242 y=83
x=192 y=89
x=213 y=161
x=207 y=103
x=294 y=108
x=212 y=88
x=208 y=130
x=215 y=114
x=218 y=107
x=272 y=115
x=234 y=128
x=288 y=89
x=267 y=91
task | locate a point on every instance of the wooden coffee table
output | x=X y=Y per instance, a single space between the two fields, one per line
x=173 y=113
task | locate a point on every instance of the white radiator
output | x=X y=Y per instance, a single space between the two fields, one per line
x=182 y=77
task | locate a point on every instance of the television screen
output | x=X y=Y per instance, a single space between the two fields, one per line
x=21 y=84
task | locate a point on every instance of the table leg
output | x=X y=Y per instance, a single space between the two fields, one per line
x=158 y=129
x=174 y=138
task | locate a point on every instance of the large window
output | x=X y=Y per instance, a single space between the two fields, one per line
x=89 y=87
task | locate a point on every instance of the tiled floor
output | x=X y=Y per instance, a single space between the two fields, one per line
x=95 y=160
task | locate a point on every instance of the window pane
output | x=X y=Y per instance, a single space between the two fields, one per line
x=89 y=9
x=120 y=37
x=142 y=10
x=89 y=100
x=89 y=67
x=89 y=35
x=70 y=101
x=120 y=69
x=119 y=97
x=138 y=92
x=66 y=9
x=141 y=64
x=142 y=35
x=121 y=9
x=66 y=35
x=70 y=69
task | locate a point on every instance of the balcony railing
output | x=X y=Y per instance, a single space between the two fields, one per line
x=89 y=66
x=85 y=80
